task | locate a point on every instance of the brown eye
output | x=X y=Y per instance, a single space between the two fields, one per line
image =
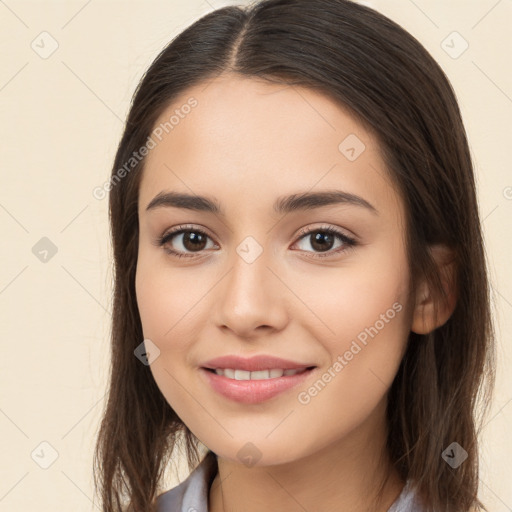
x=193 y=241
x=181 y=242
x=323 y=239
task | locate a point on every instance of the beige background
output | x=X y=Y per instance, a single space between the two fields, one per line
x=61 y=118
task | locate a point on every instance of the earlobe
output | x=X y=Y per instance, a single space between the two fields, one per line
x=424 y=317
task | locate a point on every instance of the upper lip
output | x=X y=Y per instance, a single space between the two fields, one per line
x=255 y=363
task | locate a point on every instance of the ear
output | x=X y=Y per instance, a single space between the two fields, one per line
x=424 y=319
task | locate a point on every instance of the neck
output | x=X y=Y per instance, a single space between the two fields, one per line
x=342 y=475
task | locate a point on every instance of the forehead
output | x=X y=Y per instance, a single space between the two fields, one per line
x=226 y=104
x=261 y=139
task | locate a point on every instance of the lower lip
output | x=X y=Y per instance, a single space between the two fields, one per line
x=253 y=391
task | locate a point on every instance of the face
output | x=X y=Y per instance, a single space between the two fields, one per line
x=319 y=282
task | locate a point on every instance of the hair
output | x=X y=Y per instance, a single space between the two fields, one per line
x=387 y=80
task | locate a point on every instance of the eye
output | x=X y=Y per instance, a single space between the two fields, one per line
x=323 y=238
x=188 y=239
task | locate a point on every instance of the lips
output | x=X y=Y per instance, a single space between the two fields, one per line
x=233 y=377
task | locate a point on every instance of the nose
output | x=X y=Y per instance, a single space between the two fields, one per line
x=251 y=300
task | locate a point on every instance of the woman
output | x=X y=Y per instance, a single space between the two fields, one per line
x=300 y=280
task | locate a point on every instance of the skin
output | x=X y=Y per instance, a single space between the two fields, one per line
x=246 y=143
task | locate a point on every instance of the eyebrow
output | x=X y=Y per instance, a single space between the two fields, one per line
x=282 y=205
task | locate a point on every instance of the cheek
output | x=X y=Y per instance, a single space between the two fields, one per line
x=367 y=313
x=153 y=303
x=370 y=289
x=364 y=325
x=164 y=299
x=173 y=313
x=165 y=316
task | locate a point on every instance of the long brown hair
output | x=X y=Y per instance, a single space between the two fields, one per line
x=390 y=83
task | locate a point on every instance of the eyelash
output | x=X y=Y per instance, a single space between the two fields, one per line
x=348 y=242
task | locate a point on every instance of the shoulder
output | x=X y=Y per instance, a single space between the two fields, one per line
x=408 y=500
x=192 y=493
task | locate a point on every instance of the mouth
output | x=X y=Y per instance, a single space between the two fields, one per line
x=254 y=387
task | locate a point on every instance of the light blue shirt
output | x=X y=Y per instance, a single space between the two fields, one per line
x=192 y=494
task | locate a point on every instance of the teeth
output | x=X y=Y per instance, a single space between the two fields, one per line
x=229 y=373
x=274 y=373
x=242 y=375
